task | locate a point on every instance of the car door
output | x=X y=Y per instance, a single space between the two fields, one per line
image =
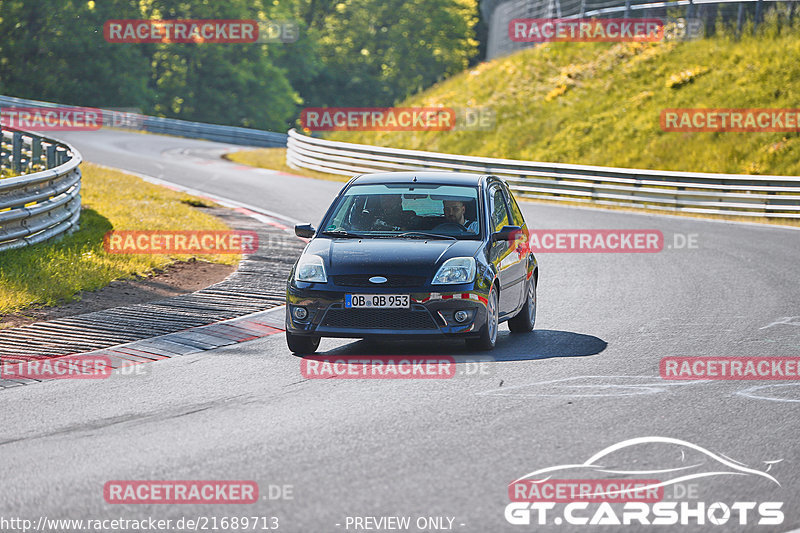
x=519 y=247
x=501 y=254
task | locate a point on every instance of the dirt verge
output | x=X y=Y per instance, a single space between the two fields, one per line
x=178 y=278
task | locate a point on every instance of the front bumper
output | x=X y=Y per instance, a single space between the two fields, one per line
x=431 y=314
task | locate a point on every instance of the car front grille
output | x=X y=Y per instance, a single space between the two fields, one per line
x=392 y=281
x=399 y=319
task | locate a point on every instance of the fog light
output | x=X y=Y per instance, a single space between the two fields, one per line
x=461 y=316
x=300 y=313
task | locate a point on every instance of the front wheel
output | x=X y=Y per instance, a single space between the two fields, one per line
x=488 y=336
x=525 y=319
x=302 y=345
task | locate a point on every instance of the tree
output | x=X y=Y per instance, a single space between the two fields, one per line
x=376 y=52
x=56 y=51
x=234 y=84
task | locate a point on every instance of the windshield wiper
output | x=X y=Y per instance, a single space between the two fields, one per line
x=422 y=234
x=341 y=233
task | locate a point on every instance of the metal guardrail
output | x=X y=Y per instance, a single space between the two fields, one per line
x=170 y=126
x=703 y=14
x=689 y=192
x=43 y=199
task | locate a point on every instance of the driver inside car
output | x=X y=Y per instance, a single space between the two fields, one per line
x=454 y=214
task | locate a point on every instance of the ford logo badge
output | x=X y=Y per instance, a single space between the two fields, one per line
x=378 y=279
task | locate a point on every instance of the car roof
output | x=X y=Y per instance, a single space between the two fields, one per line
x=443 y=178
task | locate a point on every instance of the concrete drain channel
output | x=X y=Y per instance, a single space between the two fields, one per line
x=257 y=285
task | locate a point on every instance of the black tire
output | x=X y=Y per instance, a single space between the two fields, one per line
x=302 y=345
x=488 y=336
x=526 y=318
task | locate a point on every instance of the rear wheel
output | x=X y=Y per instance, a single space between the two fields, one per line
x=525 y=319
x=302 y=345
x=488 y=336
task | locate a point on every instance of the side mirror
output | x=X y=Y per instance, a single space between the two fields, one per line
x=305 y=231
x=506 y=234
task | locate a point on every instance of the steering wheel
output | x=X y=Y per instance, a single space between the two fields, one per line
x=445 y=225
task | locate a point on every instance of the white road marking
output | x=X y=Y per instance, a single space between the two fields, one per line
x=785 y=320
x=754 y=394
x=646 y=385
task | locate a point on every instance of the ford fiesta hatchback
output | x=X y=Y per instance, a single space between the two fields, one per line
x=414 y=255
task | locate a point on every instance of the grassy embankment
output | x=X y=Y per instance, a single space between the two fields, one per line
x=51 y=273
x=600 y=104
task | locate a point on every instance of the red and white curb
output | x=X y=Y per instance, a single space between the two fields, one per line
x=193 y=340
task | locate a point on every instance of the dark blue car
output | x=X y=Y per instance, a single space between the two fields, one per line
x=414 y=255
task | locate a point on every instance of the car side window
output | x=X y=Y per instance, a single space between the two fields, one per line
x=499 y=212
x=516 y=213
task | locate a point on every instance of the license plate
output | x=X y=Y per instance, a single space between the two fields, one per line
x=376 y=301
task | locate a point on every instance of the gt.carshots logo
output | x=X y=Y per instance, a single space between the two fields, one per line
x=640 y=481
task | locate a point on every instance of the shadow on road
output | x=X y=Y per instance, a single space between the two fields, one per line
x=540 y=344
x=547 y=343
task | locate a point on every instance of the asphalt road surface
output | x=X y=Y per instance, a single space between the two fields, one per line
x=442 y=452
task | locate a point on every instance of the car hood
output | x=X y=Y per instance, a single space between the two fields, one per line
x=407 y=256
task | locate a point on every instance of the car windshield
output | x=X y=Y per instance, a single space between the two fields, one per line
x=408 y=211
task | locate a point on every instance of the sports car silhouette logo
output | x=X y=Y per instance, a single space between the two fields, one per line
x=633 y=474
x=665 y=461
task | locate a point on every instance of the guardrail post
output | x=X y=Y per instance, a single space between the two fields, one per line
x=51 y=155
x=36 y=150
x=61 y=157
x=3 y=154
x=739 y=19
x=690 y=9
x=759 y=6
x=628 y=8
x=16 y=152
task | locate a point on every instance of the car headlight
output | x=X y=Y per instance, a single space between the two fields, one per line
x=456 y=270
x=310 y=268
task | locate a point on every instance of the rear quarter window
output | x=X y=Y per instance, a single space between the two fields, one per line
x=516 y=212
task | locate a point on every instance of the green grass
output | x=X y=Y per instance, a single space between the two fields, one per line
x=600 y=103
x=275 y=159
x=51 y=273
